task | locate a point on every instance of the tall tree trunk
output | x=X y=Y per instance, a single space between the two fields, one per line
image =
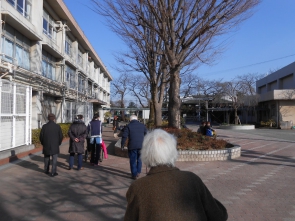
x=157 y=106
x=152 y=111
x=174 y=100
x=236 y=115
x=158 y=115
x=157 y=95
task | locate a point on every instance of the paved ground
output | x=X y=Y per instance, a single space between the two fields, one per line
x=258 y=186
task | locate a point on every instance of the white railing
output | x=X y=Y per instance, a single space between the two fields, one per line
x=15 y=115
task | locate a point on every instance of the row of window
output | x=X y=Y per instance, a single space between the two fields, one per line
x=49 y=29
x=24 y=7
x=71 y=79
x=16 y=49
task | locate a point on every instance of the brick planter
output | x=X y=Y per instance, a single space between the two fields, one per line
x=194 y=155
x=237 y=127
x=120 y=153
x=209 y=155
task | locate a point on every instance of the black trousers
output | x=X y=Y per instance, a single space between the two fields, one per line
x=95 y=153
x=47 y=163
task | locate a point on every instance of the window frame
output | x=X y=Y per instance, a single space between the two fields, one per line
x=49 y=62
x=89 y=87
x=81 y=83
x=68 y=46
x=70 y=77
x=50 y=29
x=24 y=9
x=18 y=41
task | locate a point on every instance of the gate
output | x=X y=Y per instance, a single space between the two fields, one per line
x=15 y=115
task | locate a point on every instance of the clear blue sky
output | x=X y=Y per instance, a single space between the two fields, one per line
x=262 y=43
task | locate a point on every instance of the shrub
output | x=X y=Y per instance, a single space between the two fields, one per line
x=65 y=128
x=35 y=136
x=268 y=123
x=189 y=140
x=165 y=123
x=107 y=114
x=36 y=133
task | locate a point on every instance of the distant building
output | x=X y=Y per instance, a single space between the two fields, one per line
x=217 y=110
x=44 y=50
x=277 y=97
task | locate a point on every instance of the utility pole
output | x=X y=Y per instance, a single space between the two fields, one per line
x=206 y=105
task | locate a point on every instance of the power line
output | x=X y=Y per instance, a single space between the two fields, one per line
x=232 y=69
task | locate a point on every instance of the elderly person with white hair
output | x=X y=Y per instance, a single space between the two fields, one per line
x=134 y=132
x=167 y=193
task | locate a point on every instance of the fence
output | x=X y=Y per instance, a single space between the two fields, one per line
x=15 y=115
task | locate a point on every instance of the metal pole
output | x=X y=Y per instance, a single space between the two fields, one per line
x=199 y=110
x=206 y=110
x=199 y=100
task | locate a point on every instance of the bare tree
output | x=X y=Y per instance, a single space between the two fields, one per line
x=115 y=103
x=139 y=88
x=183 y=29
x=248 y=84
x=120 y=89
x=241 y=91
x=233 y=91
x=145 y=54
x=189 y=85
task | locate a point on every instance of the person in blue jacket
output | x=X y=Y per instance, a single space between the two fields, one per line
x=134 y=132
x=94 y=129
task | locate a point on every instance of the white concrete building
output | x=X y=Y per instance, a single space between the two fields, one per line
x=42 y=46
x=277 y=97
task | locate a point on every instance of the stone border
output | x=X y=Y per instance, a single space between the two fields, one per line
x=209 y=155
x=237 y=127
x=194 y=155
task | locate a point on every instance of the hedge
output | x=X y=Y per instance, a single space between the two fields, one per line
x=36 y=133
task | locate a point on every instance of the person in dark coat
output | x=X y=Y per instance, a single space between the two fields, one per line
x=167 y=193
x=94 y=128
x=50 y=138
x=116 y=126
x=201 y=129
x=77 y=133
x=134 y=132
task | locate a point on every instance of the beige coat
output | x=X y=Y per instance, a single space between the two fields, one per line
x=167 y=193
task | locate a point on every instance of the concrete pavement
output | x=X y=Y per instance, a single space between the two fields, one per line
x=257 y=186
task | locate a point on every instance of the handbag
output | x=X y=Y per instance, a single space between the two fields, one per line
x=104 y=148
x=209 y=132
